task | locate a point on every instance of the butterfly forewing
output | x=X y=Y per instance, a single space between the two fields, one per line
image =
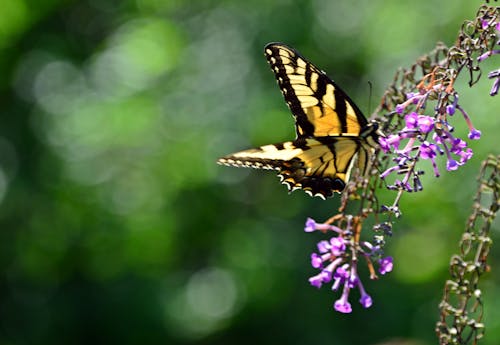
x=319 y=106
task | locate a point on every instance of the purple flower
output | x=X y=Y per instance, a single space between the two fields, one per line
x=324 y=276
x=323 y=246
x=316 y=260
x=495 y=87
x=484 y=56
x=450 y=109
x=474 y=134
x=411 y=120
x=428 y=151
x=341 y=272
x=388 y=171
x=457 y=145
x=337 y=246
x=451 y=165
x=341 y=275
x=369 y=246
x=453 y=145
x=403 y=185
x=425 y=123
x=400 y=108
x=310 y=225
x=342 y=305
x=465 y=155
x=438 y=138
x=413 y=97
x=496 y=84
x=485 y=23
x=386 y=143
x=385 y=265
x=487 y=55
x=353 y=280
x=316 y=281
x=366 y=300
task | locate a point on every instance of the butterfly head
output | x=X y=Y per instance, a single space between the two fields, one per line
x=378 y=130
x=372 y=133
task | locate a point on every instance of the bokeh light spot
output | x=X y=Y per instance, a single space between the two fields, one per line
x=209 y=299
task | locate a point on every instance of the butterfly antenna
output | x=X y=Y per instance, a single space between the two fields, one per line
x=370 y=97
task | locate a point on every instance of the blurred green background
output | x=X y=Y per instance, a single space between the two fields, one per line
x=117 y=226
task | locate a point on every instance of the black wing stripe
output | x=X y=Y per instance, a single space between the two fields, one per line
x=308 y=74
x=320 y=92
x=341 y=109
x=278 y=63
x=331 y=147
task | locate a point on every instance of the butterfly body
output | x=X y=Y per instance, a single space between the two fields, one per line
x=333 y=136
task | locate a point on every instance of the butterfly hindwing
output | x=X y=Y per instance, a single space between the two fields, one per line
x=319 y=106
x=319 y=166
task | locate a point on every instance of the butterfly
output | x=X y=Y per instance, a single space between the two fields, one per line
x=333 y=136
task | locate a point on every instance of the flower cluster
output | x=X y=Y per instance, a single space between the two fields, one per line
x=417 y=114
x=337 y=261
x=426 y=137
x=485 y=24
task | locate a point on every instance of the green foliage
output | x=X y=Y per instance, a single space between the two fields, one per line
x=118 y=227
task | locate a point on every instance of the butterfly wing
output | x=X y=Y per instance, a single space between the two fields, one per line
x=319 y=106
x=319 y=166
